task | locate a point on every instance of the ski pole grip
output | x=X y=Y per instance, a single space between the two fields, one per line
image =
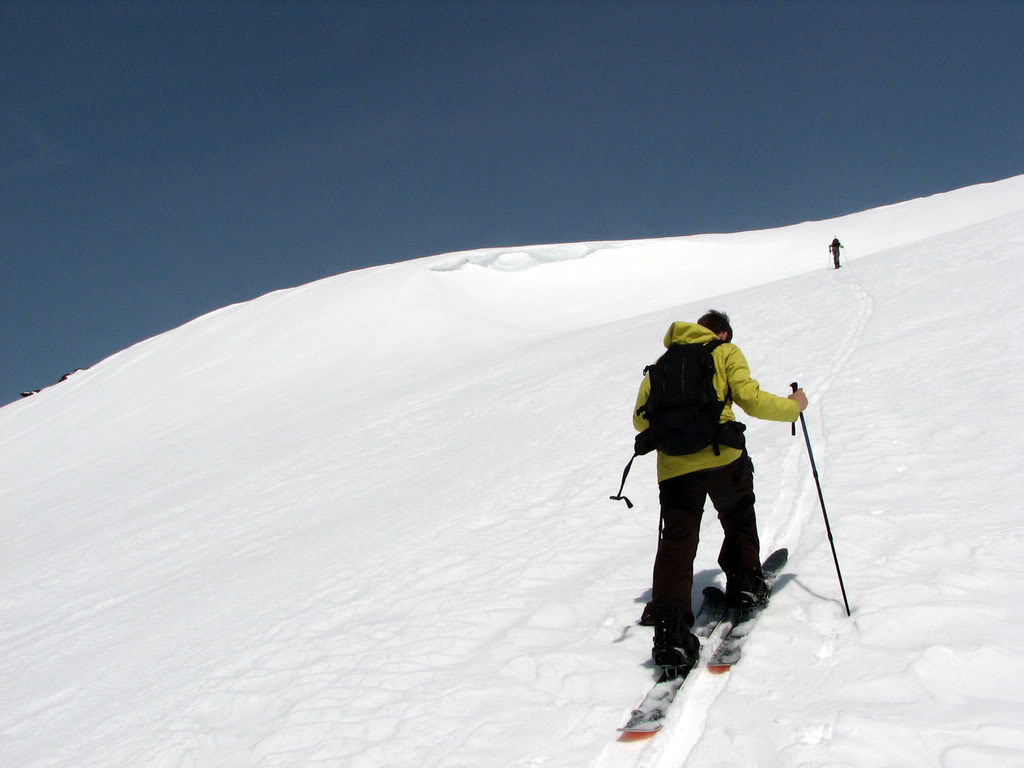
x=795 y=387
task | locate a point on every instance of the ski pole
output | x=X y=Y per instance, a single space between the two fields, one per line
x=828 y=528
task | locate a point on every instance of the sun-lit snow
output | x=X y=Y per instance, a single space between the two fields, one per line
x=365 y=522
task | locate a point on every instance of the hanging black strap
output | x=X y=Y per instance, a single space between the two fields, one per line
x=625 y=473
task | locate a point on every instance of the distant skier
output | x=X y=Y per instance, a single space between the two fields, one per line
x=721 y=469
x=834 y=247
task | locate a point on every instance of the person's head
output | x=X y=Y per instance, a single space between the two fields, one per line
x=717 y=322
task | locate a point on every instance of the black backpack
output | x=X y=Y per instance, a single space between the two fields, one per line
x=683 y=409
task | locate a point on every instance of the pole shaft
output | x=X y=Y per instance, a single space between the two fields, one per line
x=821 y=500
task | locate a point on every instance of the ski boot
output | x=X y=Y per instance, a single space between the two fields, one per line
x=675 y=647
x=746 y=591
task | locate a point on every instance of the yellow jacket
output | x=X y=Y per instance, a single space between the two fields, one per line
x=732 y=375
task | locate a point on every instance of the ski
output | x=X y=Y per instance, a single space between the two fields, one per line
x=648 y=718
x=721 y=631
x=740 y=621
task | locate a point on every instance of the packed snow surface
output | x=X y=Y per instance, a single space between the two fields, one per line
x=365 y=522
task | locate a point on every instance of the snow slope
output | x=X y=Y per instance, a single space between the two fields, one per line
x=365 y=522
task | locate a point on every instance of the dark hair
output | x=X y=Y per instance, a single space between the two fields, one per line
x=716 y=322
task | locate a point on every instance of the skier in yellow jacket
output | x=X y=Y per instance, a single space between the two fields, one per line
x=684 y=483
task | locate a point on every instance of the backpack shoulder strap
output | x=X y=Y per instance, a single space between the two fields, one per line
x=710 y=347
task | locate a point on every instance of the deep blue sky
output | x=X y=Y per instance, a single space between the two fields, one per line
x=162 y=159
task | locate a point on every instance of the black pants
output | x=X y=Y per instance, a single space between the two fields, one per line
x=731 y=489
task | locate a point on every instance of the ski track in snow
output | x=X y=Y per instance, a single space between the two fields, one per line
x=797 y=470
x=237 y=545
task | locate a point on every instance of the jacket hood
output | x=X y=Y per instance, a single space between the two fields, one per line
x=688 y=333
